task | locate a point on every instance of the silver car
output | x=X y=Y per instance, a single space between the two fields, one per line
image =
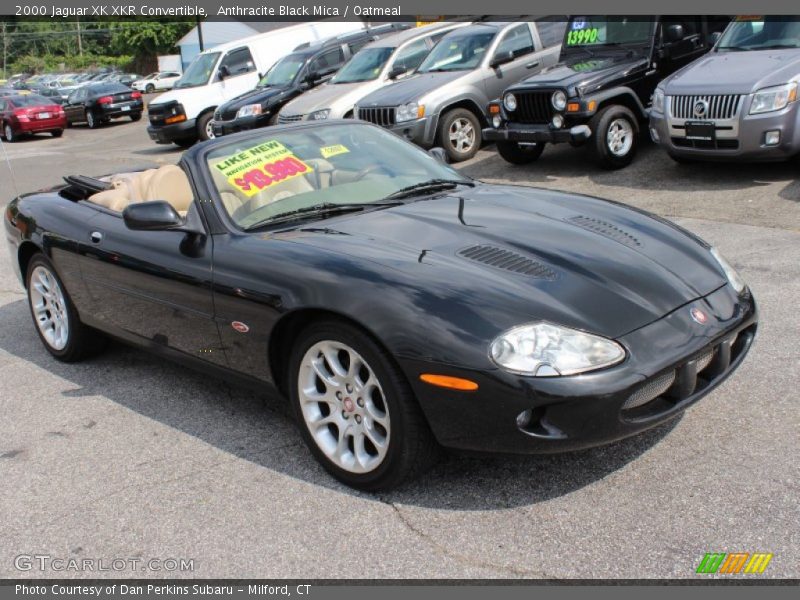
x=739 y=102
x=445 y=101
x=375 y=65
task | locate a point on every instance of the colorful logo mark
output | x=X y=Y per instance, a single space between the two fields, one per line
x=734 y=563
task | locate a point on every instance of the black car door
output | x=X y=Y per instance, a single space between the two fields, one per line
x=681 y=41
x=74 y=106
x=155 y=285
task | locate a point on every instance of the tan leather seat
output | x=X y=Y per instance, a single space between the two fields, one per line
x=170 y=183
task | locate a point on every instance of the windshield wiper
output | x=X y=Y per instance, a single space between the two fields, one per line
x=326 y=209
x=776 y=47
x=733 y=48
x=431 y=185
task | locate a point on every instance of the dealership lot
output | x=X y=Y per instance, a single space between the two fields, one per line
x=127 y=456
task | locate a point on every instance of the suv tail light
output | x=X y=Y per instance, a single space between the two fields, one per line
x=105 y=100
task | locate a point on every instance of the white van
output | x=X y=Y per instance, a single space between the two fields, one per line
x=183 y=115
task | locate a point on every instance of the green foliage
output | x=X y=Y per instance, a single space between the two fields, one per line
x=51 y=62
x=147 y=38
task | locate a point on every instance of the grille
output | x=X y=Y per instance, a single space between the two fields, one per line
x=719 y=107
x=508 y=261
x=380 y=115
x=704 y=359
x=607 y=229
x=533 y=107
x=652 y=390
x=289 y=118
x=717 y=144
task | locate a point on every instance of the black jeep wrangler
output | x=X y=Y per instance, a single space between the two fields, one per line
x=599 y=93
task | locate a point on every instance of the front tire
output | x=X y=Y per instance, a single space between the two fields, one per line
x=355 y=410
x=204 y=128
x=460 y=134
x=55 y=317
x=517 y=154
x=616 y=137
x=149 y=88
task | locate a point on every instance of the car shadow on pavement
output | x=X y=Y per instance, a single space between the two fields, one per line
x=257 y=428
x=652 y=170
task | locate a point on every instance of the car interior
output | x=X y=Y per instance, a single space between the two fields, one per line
x=168 y=183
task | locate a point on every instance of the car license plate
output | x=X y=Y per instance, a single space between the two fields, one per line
x=125 y=107
x=700 y=130
x=44 y=115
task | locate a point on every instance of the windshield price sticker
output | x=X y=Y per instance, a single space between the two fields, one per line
x=334 y=150
x=582 y=36
x=259 y=167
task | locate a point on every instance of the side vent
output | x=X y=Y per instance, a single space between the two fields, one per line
x=508 y=261
x=604 y=228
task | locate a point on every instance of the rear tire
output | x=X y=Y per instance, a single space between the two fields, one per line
x=460 y=134
x=91 y=120
x=518 y=154
x=615 y=137
x=204 y=130
x=371 y=442
x=55 y=317
x=8 y=133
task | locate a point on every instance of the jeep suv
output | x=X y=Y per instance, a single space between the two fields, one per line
x=444 y=101
x=598 y=95
x=739 y=102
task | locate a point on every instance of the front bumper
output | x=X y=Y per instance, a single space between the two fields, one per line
x=742 y=138
x=419 y=131
x=240 y=124
x=167 y=134
x=516 y=132
x=569 y=413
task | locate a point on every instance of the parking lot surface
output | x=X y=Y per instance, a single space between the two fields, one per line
x=128 y=456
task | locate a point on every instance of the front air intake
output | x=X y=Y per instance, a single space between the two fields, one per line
x=604 y=228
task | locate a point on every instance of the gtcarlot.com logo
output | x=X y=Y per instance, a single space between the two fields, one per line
x=46 y=562
x=734 y=563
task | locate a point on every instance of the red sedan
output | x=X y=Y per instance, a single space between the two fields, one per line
x=22 y=115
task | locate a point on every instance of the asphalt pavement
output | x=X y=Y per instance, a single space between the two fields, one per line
x=127 y=456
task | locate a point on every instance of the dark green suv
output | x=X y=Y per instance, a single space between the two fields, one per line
x=599 y=93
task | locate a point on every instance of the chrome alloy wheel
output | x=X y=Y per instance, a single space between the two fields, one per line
x=619 y=137
x=462 y=135
x=49 y=308
x=343 y=406
x=210 y=129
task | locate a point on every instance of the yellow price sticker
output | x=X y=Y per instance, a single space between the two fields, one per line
x=259 y=167
x=334 y=150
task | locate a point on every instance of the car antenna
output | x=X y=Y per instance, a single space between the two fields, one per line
x=10 y=170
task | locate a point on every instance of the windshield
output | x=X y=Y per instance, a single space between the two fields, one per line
x=284 y=71
x=272 y=174
x=458 y=52
x=761 y=33
x=599 y=31
x=366 y=65
x=199 y=72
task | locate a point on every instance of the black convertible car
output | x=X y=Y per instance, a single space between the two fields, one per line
x=399 y=305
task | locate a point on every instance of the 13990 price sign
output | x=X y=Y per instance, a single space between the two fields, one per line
x=256 y=168
x=269 y=173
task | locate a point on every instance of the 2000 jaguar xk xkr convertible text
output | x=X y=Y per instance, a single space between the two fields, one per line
x=399 y=305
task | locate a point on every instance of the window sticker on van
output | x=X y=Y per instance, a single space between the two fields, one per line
x=259 y=167
x=335 y=150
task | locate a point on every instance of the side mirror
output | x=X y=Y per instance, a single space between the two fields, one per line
x=396 y=71
x=152 y=216
x=674 y=33
x=501 y=58
x=223 y=72
x=439 y=154
x=713 y=38
x=313 y=76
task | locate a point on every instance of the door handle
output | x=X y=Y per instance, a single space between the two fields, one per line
x=532 y=65
x=96 y=237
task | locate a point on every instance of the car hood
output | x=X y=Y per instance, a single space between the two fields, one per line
x=256 y=96
x=735 y=72
x=594 y=265
x=329 y=95
x=410 y=89
x=583 y=72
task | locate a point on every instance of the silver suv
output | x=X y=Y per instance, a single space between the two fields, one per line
x=739 y=102
x=445 y=101
x=375 y=65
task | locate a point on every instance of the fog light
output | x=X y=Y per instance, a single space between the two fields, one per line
x=772 y=138
x=524 y=418
x=558 y=122
x=654 y=135
x=497 y=121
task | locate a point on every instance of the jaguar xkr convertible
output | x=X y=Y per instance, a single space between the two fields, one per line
x=400 y=306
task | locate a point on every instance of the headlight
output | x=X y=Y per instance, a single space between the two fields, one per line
x=559 y=100
x=249 y=110
x=409 y=112
x=546 y=350
x=510 y=102
x=731 y=274
x=773 y=98
x=658 y=100
x=319 y=115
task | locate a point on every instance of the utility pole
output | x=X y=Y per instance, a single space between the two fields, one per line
x=80 y=40
x=199 y=33
x=5 y=50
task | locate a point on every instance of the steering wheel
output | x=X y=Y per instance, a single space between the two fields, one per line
x=371 y=169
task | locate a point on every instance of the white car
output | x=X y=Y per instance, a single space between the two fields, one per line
x=157 y=81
